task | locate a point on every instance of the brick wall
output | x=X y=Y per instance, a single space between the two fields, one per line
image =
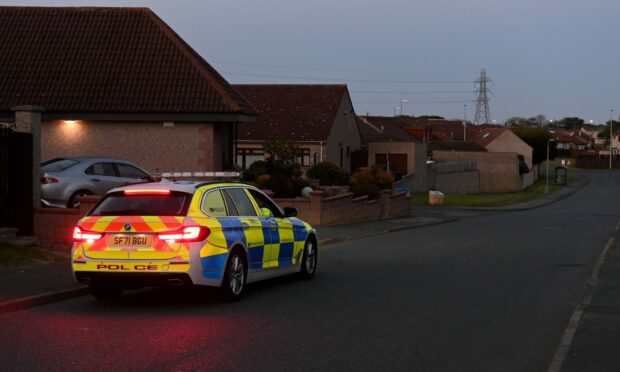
x=56 y=224
x=318 y=210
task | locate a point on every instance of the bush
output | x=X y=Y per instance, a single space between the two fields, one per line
x=256 y=169
x=328 y=174
x=370 y=182
x=279 y=172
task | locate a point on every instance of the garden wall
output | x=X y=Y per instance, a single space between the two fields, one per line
x=57 y=224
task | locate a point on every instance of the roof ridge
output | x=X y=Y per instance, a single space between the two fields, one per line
x=196 y=60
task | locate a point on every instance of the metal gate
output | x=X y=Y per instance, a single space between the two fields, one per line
x=16 y=180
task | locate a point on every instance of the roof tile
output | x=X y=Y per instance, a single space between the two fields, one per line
x=105 y=60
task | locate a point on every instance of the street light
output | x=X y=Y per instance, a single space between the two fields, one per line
x=401 y=105
x=465 y=123
x=547 y=181
x=611 y=136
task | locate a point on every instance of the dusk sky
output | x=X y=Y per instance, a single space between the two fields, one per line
x=552 y=57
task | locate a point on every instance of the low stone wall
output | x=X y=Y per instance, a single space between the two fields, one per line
x=319 y=210
x=56 y=224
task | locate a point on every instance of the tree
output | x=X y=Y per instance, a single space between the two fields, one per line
x=605 y=132
x=279 y=172
x=537 y=139
x=517 y=122
x=570 y=123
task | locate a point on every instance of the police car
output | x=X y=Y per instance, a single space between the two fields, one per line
x=189 y=233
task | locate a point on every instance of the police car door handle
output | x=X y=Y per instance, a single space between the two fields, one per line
x=245 y=226
x=95 y=179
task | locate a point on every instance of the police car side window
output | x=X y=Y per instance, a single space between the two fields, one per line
x=213 y=204
x=264 y=202
x=232 y=209
x=242 y=202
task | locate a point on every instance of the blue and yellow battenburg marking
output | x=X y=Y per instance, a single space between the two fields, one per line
x=267 y=247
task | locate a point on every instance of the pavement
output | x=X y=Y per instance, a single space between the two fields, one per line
x=35 y=285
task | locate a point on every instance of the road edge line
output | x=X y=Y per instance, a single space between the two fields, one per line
x=573 y=324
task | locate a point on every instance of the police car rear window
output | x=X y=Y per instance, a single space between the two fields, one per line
x=119 y=204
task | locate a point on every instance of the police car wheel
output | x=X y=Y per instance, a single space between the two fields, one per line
x=309 y=260
x=105 y=292
x=233 y=283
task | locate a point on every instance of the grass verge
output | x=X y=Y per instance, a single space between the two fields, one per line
x=12 y=255
x=535 y=191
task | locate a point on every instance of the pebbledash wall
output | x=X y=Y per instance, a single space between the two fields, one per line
x=57 y=224
x=153 y=145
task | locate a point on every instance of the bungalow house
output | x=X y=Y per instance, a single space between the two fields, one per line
x=319 y=119
x=567 y=140
x=504 y=140
x=115 y=82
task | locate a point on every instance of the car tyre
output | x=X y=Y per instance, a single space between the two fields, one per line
x=105 y=292
x=235 y=276
x=73 y=200
x=309 y=260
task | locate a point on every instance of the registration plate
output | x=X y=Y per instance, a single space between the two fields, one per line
x=130 y=240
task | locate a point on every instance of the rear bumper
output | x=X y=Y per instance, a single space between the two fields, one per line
x=133 y=280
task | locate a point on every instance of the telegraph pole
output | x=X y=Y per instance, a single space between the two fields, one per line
x=611 y=135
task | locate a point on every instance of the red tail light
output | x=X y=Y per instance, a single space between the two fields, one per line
x=46 y=180
x=186 y=234
x=147 y=192
x=85 y=236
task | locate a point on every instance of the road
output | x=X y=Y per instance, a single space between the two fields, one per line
x=491 y=292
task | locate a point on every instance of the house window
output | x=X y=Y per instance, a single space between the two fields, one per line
x=245 y=157
x=303 y=157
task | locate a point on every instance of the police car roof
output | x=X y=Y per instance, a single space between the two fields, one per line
x=180 y=186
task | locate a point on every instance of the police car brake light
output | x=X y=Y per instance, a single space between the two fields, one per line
x=147 y=192
x=85 y=236
x=187 y=234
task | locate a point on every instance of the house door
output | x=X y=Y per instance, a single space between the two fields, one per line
x=359 y=159
x=397 y=164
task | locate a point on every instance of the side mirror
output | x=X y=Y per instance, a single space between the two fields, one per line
x=290 y=211
x=266 y=212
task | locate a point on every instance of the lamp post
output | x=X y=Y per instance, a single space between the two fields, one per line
x=547 y=181
x=465 y=123
x=401 y=105
x=611 y=135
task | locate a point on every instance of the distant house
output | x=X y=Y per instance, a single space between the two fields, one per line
x=504 y=140
x=390 y=145
x=319 y=119
x=572 y=140
x=117 y=82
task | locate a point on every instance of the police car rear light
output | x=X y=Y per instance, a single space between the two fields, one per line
x=186 y=234
x=85 y=236
x=147 y=192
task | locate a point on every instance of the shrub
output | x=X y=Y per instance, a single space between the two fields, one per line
x=256 y=169
x=370 y=181
x=328 y=174
x=279 y=172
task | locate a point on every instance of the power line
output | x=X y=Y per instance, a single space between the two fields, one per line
x=233 y=73
x=469 y=101
x=410 y=92
x=315 y=68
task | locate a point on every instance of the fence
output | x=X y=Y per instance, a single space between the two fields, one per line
x=16 y=180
